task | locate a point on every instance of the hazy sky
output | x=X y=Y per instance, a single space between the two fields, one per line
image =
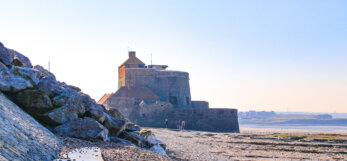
x=250 y=55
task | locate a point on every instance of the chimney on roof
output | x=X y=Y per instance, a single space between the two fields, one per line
x=132 y=54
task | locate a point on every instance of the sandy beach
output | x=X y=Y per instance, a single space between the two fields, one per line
x=254 y=144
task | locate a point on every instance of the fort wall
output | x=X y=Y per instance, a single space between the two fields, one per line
x=170 y=86
x=200 y=104
x=215 y=120
x=154 y=115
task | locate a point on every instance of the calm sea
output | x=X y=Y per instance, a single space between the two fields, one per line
x=298 y=127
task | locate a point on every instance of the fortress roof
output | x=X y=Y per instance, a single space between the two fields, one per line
x=136 y=92
x=104 y=98
x=132 y=60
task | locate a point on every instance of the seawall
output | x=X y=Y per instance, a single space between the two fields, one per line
x=214 y=120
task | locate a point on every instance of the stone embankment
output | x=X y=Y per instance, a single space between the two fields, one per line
x=22 y=137
x=62 y=108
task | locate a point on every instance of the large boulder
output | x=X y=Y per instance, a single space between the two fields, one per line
x=71 y=87
x=86 y=128
x=50 y=86
x=153 y=140
x=96 y=111
x=10 y=82
x=119 y=140
x=115 y=113
x=30 y=74
x=131 y=127
x=115 y=126
x=22 y=137
x=158 y=149
x=136 y=139
x=5 y=56
x=60 y=115
x=33 y=101
x=19 y=59
x=60 y=100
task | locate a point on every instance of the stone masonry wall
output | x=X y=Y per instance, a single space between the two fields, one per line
x=200 y=104
x=154 y=115
x=216 y=120
x=170 y=86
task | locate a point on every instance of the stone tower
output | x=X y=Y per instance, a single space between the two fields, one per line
x=131 y=62
x=169 y=86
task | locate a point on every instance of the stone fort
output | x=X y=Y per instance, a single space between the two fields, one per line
x=149 y=94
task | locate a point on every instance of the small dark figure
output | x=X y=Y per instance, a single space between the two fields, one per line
x=178 y=124
x=183 y=125
x=166 y=123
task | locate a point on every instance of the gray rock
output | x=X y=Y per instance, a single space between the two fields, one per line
x=98 y=115
x=162 y=144
x=119 y=140
x=115 y=126
x=43 y=71
x=60 y=115
x=158 y=149
x=60 y=100
x=22 y=137
x=96 y=111
x=136 y=139
x=10 y=82
x=50 y=86
x=131 y=127
x=5 y=56
x=73 y=105
x=73 y=88
x=19 y=59
x=33 y=101
x=153 y=140
x=115 y=113
x=30 y=74
x=86 y=128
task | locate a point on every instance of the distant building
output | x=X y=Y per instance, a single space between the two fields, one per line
x=147 y=95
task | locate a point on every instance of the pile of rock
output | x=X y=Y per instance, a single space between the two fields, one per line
x=60 y=107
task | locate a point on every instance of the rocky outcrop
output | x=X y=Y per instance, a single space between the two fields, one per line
x=10 y=82
x=19 y=59
x=115 y=126
x=131 y=127
x=33 y=101
x=86 y=128
x=22 y=137
x=60 y=107
x=5 y=56
x=55 y=104
x=136 y=139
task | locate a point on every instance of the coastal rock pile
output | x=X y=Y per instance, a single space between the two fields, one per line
x=60 y=107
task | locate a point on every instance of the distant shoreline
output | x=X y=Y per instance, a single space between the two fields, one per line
x=256 y=128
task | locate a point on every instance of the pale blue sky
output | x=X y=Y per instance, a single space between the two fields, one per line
x=261 y=55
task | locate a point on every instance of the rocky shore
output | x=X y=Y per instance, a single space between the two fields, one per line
x=33 y=95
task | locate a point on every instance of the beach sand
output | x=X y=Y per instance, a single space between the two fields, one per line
x=250 y=144
x=254 y=144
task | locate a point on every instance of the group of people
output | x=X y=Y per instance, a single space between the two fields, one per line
x=180 y=125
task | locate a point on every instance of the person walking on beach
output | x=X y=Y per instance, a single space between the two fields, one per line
x=166 y=123
x=183 y=125
x=178 y=124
